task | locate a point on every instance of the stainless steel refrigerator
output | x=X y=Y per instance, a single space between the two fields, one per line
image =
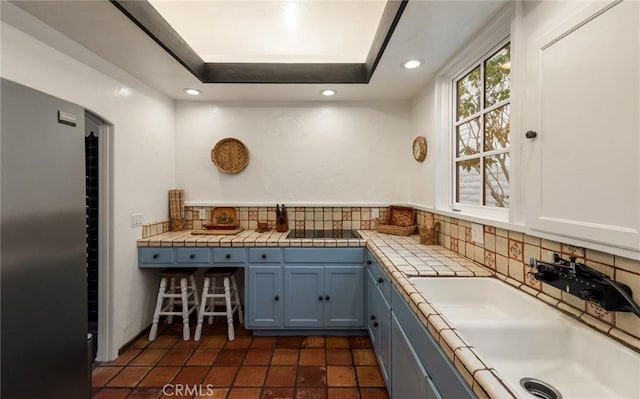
x=42 y=238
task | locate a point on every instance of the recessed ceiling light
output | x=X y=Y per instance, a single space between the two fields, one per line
x=192 y=92
x=124 y=91
x=412 y=64
x=328 y=92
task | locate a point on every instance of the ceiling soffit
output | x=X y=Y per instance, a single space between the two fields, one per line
x=147 y=18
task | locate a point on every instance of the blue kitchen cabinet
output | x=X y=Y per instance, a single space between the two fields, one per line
x=324 y=296
x=155 y=257
x=409 y=379
x=444 y=379
x=344 y=294
x=264 y=297
x=378 y=319
x=304 y=296
x=324 y=288
x=372 y=309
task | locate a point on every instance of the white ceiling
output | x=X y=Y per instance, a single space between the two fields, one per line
x=275 y=31
x=431 y=30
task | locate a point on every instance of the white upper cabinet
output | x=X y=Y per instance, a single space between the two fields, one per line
x=582 y=98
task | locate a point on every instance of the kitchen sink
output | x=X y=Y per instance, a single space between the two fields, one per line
x=522 y=337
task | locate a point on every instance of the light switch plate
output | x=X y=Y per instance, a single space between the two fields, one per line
x=477 y=233
x=375 y=213
x=136 y=220
x=201 y=214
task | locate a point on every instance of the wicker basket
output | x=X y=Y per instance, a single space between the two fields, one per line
x=401 y=221
x=401 y=216
x=397 y=230
x=230 y=155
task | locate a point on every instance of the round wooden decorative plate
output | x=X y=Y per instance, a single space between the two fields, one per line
x=230 y=155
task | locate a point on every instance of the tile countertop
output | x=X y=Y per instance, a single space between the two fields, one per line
x=405 y=257
x=246 y=238
x=402 y=257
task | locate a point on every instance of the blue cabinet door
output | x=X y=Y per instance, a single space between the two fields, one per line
x=343 y=294
x=372 y=309
x=304 y=300
x=383 y=346
x=409 y=378
x=379 y=325
x=265 y=296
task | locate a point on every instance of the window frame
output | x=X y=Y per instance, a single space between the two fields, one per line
x=503 y=28
x=480 y=115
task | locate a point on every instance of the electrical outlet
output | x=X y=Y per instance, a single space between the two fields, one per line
x=136 y=220
x=477 y=233
x=201 y=214
x=375 y=213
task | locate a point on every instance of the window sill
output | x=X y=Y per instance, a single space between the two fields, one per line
x=477 y=217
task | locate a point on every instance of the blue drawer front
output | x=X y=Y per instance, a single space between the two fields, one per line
x=229 y=255
x=155 y=255
x=382 y=280
x=324 y=255
x=193 y=255
x=265 y=255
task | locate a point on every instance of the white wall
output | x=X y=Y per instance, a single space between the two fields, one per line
x=309 y=153
x=142 y=148
x=422 y=176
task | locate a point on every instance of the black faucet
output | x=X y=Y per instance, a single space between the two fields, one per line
x=586 y=283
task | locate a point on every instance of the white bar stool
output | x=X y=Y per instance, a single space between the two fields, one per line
x=220 y=295
x=185 y=295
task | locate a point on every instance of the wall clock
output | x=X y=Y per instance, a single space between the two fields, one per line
x=419 y=148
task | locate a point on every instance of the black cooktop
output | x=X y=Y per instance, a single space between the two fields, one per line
x=323 y=234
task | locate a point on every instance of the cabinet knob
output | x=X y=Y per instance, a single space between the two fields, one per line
x=192 y=256
x=326 y=298
x=372 y=317
x=530 y=134
x=156 y=256
x=380 y=280
x=369 y=262
x=228 y=256
x=276 y=298
x=264 y=256
x=375 y=324
x=320 y=298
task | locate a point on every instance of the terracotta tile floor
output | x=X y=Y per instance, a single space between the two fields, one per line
x=312 y=367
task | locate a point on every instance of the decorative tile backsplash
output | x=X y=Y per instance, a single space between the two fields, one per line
x=508 y=253
x=300 y=218
x=155 y=228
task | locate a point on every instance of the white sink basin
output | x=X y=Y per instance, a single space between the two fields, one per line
x=521 y=337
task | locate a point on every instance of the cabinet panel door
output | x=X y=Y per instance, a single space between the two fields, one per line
x=304 y=297
x=344 y=296
x=264 y=296
x=383 y=349
x=409 y=378
x=372 y=308
x=584 y=96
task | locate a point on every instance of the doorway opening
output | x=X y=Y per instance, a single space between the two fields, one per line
x=98 y=158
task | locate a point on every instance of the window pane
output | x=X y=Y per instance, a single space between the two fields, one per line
x=468 y=138
x=497 y=79
x=496 y=180
x=468 y=94
x=496 y=128
x=469 y=181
